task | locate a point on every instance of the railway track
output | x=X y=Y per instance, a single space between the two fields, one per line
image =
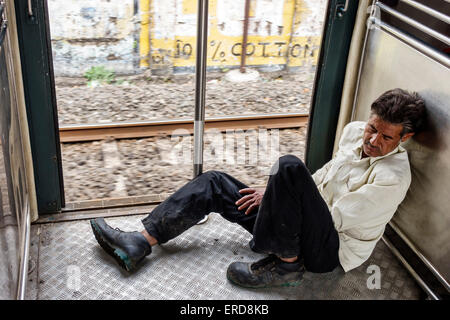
x=142 y=129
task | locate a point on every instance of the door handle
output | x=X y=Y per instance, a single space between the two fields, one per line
x=341 y=9
x=2 y=9
x=30 y=8
x=30 y=14
x=3 y=22
x=3 y=25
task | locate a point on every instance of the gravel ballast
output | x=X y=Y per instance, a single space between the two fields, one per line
x=156 y=165
x=137 y=167
x=138 y=100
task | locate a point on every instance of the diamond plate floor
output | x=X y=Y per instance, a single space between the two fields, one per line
x=71 y=265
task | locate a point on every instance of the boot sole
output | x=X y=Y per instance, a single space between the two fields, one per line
x=119 y=255
x=287 y=284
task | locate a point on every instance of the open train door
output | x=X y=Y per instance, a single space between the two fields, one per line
x=33 y=35
x=395 y=44
x=18 y=205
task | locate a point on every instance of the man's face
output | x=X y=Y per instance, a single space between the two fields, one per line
x=381 y=137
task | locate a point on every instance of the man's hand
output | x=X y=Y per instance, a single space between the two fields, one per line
x=251 y=200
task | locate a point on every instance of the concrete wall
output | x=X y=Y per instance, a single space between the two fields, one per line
x=89 y=33
x=130 y=36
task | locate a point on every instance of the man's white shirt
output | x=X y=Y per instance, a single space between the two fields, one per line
x=362 y=194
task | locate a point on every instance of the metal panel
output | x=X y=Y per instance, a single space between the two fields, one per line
x=72 y=266
x=9 y=233
x=13 y=190
x=17 y=198
x=424 y=215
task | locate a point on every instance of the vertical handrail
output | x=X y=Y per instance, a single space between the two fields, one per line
x=200 y=84
x=24 y=251
x=245 y=35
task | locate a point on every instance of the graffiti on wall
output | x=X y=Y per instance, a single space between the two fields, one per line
x=272 y=37
x=223 y=54
x=130 y=35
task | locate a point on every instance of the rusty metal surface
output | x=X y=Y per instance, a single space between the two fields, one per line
x=71 y=265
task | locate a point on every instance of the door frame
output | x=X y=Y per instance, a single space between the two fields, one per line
x=329 y=81
x=40 y=99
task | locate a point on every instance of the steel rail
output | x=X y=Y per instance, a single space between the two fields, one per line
x=142 y=129
x=421 y=27
x=428 y=10
x=410 y=269
x=425 y=49
x=417 y=252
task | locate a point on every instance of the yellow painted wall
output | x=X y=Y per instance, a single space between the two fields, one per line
x=279 y=48
x=144 y=36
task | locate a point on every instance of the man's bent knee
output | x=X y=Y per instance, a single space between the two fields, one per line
x=285 y=162
x=290 y=159
x=211 y=174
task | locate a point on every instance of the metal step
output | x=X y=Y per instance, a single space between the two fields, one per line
x=70 y=265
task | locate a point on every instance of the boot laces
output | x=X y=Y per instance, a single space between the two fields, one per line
x=267 y=263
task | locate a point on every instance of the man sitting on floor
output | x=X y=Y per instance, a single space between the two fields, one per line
x=334 y=217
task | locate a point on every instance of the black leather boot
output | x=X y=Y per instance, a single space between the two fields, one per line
x=268 y=272
x=128 y=248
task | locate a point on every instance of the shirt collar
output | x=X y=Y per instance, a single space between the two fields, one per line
x=357 y=151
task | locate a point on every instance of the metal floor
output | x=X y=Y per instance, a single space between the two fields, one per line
x=67 y=263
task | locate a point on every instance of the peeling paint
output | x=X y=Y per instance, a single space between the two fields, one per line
x=161 y=34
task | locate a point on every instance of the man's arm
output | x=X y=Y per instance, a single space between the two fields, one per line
x=375 y=202
x=348 y=137
x=320 y=174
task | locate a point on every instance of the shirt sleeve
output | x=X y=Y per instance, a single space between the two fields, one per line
x=375 y=202
x=320 y=174
x=347 y=139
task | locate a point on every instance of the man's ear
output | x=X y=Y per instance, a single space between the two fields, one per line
x=406 y=136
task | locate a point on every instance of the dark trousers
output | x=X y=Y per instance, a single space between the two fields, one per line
x=292 y=219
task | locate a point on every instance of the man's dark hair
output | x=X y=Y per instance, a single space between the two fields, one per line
x=399 y=106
